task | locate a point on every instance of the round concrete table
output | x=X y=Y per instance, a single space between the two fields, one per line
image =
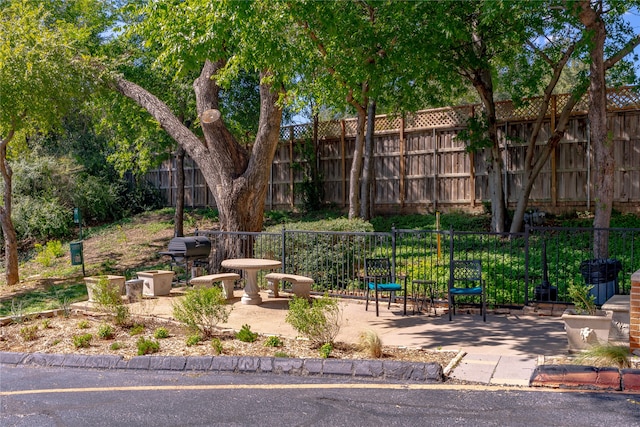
x=251 y=266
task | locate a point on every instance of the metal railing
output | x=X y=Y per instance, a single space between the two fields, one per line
x=513 y=265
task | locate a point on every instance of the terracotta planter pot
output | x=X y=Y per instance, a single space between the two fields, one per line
x=584 y=331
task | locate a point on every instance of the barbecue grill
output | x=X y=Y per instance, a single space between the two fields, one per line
x=189 y=249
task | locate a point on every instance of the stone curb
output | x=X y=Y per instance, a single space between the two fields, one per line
x=391 y=370
x=586 y=378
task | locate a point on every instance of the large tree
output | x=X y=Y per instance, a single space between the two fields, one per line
x=610 y=39
x=475 y=40
x=41 y=78
x=219 y=40
x=362 y=54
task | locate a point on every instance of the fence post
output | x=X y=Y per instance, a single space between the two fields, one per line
x=526 y=264
x=393 y=251
x=284 y=249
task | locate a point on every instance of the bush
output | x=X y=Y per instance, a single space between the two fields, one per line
x=216 y=344
x=319 y=321
x=109 y=300
x=147 y=346
x=82 y=341
x=323 y=253
x=193 y=340
x=29 y=333
x=46 y=253
x=105 y=332
x=325 y=350
x=41 y=218
x=161 y=333
x=202 y=309
x=245 y=334
x=136 y=329
x=273 y=341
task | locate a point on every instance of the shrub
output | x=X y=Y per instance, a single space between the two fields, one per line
x=161 y=333
x=202 y=309
x=584 y=302
x=82 y=341
x=109 y=300
x=281 y=354
x=273 y=341
x=318 y=321
x=105 y=332
x=216 y=344
x=46 y=253
x=83 y=324
x=136 y=329
x=193 y=340
x=245 y=334
x=116 y=346
x=370 y=342
x=604 y=355
x=46 y=323
x=29 y=333
x=147 y=346
x=325 y=350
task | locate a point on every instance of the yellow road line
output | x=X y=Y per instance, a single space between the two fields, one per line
x=285 y=387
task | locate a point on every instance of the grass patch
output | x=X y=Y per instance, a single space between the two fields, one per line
x=45 y=299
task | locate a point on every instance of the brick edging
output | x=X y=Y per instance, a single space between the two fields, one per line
x=586 y=378
x=358 y=368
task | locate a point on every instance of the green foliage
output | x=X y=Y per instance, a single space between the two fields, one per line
x=325 y=350
x=604 y=355
x=46 y=323
x=216 y=345
x=161 y=333
x=116 y=346
x=136 y=329
x=584 y=302
x=281 y=354
x=105 y=332
x=318 y=321
x=310 y=190
x=46 y=254
x=245 y=334
x=273 y=341
x=320 y=252
x=475 y=134
x=202 y=309
x=193 y=340
x=41 y=218
x=82 y=341
x=147 y=346
x=29 y=333
x=83 y=324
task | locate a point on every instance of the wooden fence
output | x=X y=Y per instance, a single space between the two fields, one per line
x=420 y=166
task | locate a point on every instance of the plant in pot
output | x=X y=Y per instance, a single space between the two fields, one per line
x=585 y=325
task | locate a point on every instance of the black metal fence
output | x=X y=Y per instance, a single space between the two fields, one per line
x=537 y=264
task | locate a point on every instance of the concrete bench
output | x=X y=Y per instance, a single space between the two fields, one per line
x=300 y=285
x=227 y=279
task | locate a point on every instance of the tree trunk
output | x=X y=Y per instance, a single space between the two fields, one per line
x=483 y=84
x=237 y=179
x=366 y=189
x=8 y=230
x=603 y=159
x=179 y=214
x=356 y=164
x=533 y=165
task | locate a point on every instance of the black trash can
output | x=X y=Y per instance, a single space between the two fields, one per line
x=76 y=253
x=602 y=274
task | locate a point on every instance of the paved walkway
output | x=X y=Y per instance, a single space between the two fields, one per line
x=502 y=351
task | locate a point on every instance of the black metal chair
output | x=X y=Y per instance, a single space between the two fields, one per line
x=466 y=280
x=379 y=278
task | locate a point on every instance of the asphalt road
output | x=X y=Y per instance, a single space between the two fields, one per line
x=44 y=396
